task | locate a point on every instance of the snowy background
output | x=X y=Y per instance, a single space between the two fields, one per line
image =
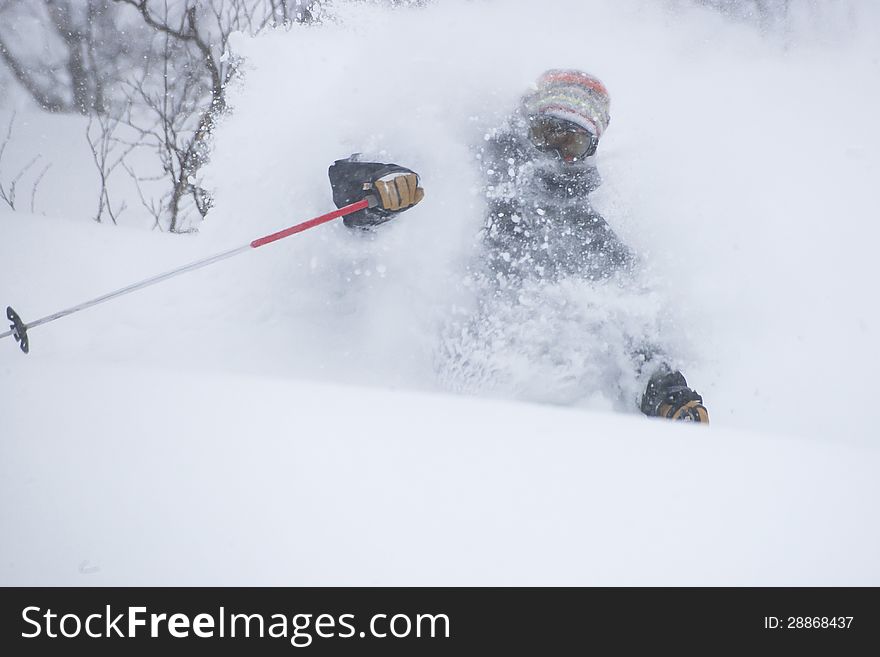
x=278 y=418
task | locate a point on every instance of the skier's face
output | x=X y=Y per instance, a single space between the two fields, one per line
x=569 y=141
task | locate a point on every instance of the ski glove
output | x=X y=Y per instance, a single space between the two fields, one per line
x=392 y=189
x=668 y=396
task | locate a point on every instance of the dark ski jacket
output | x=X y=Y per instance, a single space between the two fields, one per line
x=540 y=223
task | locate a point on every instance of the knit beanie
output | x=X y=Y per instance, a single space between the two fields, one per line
x=573 y=96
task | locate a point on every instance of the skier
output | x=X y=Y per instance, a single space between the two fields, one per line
x=539 y=170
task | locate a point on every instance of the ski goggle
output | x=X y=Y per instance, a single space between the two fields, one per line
x=569 y=141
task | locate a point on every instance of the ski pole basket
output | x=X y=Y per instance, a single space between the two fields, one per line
x=19 y=329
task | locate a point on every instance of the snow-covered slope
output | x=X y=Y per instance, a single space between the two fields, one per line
x=115 y=475
x=276 y=419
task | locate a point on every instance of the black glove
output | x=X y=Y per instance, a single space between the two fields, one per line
x=393 y=189
x=669 y=396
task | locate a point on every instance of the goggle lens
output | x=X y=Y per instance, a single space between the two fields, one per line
x=568 y=140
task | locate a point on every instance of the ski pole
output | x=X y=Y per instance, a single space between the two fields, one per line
x=18 y=329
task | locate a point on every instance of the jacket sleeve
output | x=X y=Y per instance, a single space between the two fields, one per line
x=599 y=240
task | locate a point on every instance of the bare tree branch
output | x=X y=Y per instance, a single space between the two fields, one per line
x=8 y=191
x=155 y=209
x=36 y=186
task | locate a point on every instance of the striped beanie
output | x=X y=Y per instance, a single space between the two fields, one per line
x=572 y=96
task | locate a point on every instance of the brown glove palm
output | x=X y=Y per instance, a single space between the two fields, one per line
x=692 y=411
x=398 y=191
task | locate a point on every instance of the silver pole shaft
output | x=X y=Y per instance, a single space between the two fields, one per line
x=198 y=264
x=370 y=202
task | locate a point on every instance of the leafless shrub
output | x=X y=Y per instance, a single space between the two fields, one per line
x=153 y=70
x=9 y=190
x=36 y=186
x=180 y=92
x=108 y=154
